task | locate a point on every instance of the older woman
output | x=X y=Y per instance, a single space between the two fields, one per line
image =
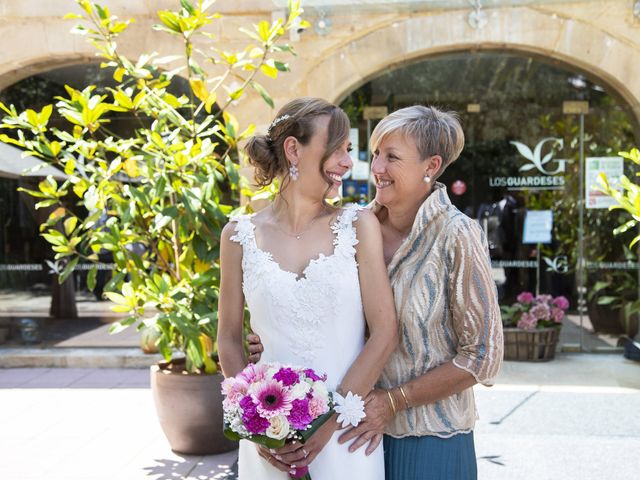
x=449 y=320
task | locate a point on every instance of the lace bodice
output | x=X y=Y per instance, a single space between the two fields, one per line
x=315 y=320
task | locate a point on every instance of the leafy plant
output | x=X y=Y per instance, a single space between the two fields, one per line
x=621 y=287
x=159 y=197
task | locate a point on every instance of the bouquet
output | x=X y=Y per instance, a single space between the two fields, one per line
x=270 y=404
x=534 y=312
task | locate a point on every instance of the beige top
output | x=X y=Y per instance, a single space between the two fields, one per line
x=447 y=308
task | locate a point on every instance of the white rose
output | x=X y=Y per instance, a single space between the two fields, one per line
x=278 y=428
x=299 y=390
x=320 y=391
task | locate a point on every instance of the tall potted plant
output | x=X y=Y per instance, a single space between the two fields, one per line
x=158 y=197
x=627 y=197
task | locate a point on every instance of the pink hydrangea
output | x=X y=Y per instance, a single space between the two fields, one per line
x=525 y=297
x=527 y=322
x=544 y=298
x=540 y=311
x=561 y=302
x=557 y=314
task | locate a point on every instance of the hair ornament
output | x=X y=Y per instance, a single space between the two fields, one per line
x=276 y=122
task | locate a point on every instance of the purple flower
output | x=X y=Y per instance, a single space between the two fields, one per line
x=300 y=417
x=300 y=472
x=525 y=298
x=311 y=374
x=253 y=422
x=287 y=377
x=272 y=399
x=561 y=302
x=248 y=406
x=256 y=424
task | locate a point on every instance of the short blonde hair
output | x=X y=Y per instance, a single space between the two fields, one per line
x=435 y=132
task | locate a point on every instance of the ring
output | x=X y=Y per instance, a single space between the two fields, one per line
x=305 y=453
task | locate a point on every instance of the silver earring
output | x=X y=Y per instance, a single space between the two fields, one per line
x=426 y=179
x=294 y=173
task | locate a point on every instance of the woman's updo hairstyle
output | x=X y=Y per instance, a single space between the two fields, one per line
x=295 y=119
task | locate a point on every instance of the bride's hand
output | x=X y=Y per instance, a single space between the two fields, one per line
x=297 y=454
x=266 y=454
x=371 y=428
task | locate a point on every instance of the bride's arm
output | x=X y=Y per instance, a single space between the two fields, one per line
x=230 y=305
x=379 y=308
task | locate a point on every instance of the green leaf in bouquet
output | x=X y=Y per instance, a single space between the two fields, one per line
x=259 y=439
x=315 y=425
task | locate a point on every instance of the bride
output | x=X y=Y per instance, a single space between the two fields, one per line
x=315 y=282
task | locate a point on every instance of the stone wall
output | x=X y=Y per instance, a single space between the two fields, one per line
x=600 y=38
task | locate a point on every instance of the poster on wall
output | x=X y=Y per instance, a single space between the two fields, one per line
x=537 y=226
x=613 y=168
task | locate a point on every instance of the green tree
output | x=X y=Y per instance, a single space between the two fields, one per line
x=158 y=197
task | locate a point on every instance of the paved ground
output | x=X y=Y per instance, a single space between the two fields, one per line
x=577 y=417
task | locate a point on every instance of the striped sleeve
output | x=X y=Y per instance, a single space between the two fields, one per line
x=474 y=304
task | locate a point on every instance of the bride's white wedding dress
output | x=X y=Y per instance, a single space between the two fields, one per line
x=314 y=321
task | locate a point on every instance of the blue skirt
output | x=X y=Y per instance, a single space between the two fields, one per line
x=430 y=458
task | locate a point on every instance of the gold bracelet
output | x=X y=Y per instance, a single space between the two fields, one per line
x=406 y=402
x=393 y=402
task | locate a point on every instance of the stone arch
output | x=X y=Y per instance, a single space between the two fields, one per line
x=571 y=42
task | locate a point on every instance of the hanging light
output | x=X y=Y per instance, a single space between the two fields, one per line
x=323 y=25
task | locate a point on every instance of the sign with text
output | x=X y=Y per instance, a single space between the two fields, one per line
x=613 y=168
x=537 y=226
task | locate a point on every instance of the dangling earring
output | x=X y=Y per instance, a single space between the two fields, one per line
x=426 y=179
x=294 y=173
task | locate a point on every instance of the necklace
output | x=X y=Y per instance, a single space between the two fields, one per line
x=298 y=235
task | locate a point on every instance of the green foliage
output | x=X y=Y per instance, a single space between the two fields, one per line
x=158 y=198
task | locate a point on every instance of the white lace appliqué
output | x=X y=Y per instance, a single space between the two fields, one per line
x=305 y=301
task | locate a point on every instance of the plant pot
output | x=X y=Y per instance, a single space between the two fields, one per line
x=189 y=407
x=530 y=345
x=604 y=318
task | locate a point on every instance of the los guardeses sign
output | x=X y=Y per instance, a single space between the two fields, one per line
x=550 y=171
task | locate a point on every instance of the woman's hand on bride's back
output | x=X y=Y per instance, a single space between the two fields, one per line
x=255 y=347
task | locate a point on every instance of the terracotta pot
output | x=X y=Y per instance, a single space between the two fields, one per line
x=189 y=408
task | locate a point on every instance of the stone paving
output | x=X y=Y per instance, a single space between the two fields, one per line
x=577 y=417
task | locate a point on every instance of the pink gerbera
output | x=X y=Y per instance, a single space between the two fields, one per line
x=272 y=398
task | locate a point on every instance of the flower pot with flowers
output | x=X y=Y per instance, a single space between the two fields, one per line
x=532 y=327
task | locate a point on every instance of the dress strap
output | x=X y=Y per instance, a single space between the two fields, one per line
x=344 y=229
x=245 y=230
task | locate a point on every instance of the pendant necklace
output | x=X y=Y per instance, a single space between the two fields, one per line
x=298 y=235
